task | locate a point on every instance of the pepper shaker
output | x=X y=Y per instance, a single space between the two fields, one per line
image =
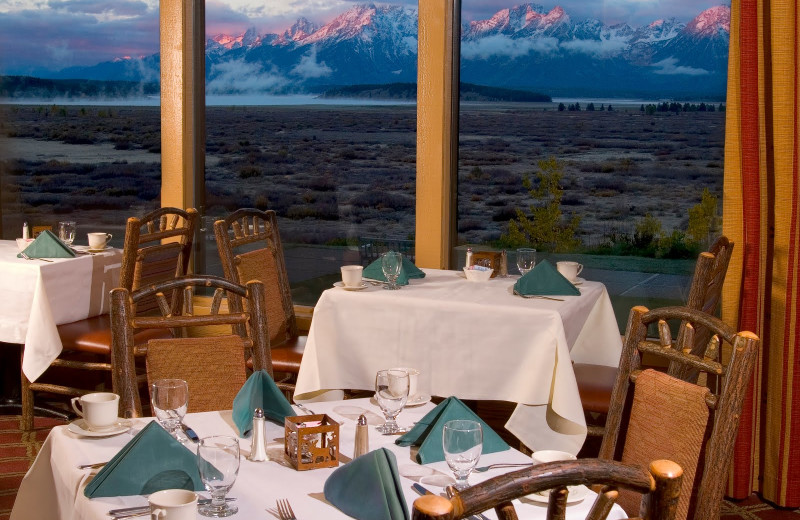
x=503 y=264
x=258 y=446
x=25 y=233
x=468 y=260
x=362 y=437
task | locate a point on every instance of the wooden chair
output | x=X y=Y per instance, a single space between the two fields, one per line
x=157 y=247
x=596 y=382
x=660 y=486
x=694 y=423
x=249 y=245
x=213 y=366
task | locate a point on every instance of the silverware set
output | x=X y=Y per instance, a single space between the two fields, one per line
x=539 y=296
x=26 y=257
x=502 y=465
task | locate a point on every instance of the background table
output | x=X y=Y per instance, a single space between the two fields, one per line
x=53 y=487
x=36 y=296
x=468 y=339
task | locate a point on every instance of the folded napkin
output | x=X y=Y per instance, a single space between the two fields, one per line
x=545 y=280
x=259 y=391
x=150 y=462
x=374 y=271
x=368 y=488
x=427 y=433
x=47 y=245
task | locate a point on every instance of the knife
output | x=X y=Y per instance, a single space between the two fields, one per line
x=190 y=433
x=422 y=491
x=139 y=510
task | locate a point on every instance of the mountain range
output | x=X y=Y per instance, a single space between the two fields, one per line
x=524 y=47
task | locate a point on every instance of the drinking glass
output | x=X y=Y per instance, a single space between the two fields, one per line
x=218 y=463
x=66 y=231
x=392 y=263
x=391 y=392
x=526 y=259
x=170 y=398
x=462 y=442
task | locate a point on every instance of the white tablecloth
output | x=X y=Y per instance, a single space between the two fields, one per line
x=36 y=296
x=472 y=340
x=53 y=488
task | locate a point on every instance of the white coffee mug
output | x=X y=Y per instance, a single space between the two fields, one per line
x=98 y=240
x=570 y=270
x=99 y=410
x=173 y=504
x=351 y=275
x=413 y=376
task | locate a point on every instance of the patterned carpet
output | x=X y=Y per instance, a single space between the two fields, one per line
x=18 y=449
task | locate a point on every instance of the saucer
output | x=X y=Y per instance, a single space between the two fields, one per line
x=80 y=427
x=418 y=400
x=343 y=286
x=576 y=494
x=99 y=250
x=578 y=281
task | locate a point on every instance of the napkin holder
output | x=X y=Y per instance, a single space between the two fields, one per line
x=492 y=259
x=311 y=441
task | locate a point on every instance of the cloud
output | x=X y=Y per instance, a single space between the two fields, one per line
x=309 y=68
x=600 y=48
x=669 y=66
x=240 y=77
x=500 y=45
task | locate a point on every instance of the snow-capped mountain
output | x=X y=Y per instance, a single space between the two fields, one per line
x=525 y=46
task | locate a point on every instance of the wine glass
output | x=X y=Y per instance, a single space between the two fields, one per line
x=392 y=264
x=66 y=231
x=218 y=463
x=391 y=392
x=170 y=398
x=462 y=441
x=526 y=259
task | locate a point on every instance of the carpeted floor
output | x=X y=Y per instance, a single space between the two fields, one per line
x=18 y=449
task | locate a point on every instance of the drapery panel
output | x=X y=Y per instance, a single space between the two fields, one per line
x=760 y=214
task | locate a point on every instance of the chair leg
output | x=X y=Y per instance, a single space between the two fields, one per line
x=27 y=404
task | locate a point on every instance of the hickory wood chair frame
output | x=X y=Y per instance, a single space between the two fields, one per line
x=660 y=486
x=157 y=246
x=726 y=380
x=246 y=230
x=250 y=325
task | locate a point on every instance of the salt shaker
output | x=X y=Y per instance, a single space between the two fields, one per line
x=25 y=233
x=468 y=261
x=503 y=264
x=258 y=447
x=362 y=437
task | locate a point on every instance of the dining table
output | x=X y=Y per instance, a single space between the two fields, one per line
x=474 y=340
x=54 y=486
x=37 y=295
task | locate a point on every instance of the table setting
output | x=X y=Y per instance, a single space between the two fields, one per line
x=147 y=469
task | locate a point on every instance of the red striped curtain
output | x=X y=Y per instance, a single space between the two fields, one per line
x=761 y=215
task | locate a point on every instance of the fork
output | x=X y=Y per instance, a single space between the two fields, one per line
x=501 y=465
x=26 y=257
x=285 y=510
x=529 y=296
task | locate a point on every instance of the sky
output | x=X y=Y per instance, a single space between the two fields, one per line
x=37 y=36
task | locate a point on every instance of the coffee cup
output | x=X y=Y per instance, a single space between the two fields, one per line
x=98 y=240
x=351 y=275
x=99 y=409
x=173 y=504
x=413 y=377
x=570 y=270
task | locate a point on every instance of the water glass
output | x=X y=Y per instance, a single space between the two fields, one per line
x=392 y=264
x=462 y=441
x=170 y=398
x=526 y=260
x=218 y=463
x=391 y=392
x=66 y=231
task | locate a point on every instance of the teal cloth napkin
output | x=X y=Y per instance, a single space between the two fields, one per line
x=374 y=271
x=368 y=488
x=259 y=391
x=153 y=460
x=545 y=280
x=47 y=245
x=427 y=433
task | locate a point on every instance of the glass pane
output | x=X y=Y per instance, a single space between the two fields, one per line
x=595 y=134
x=79 y=117
x=315 y=120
